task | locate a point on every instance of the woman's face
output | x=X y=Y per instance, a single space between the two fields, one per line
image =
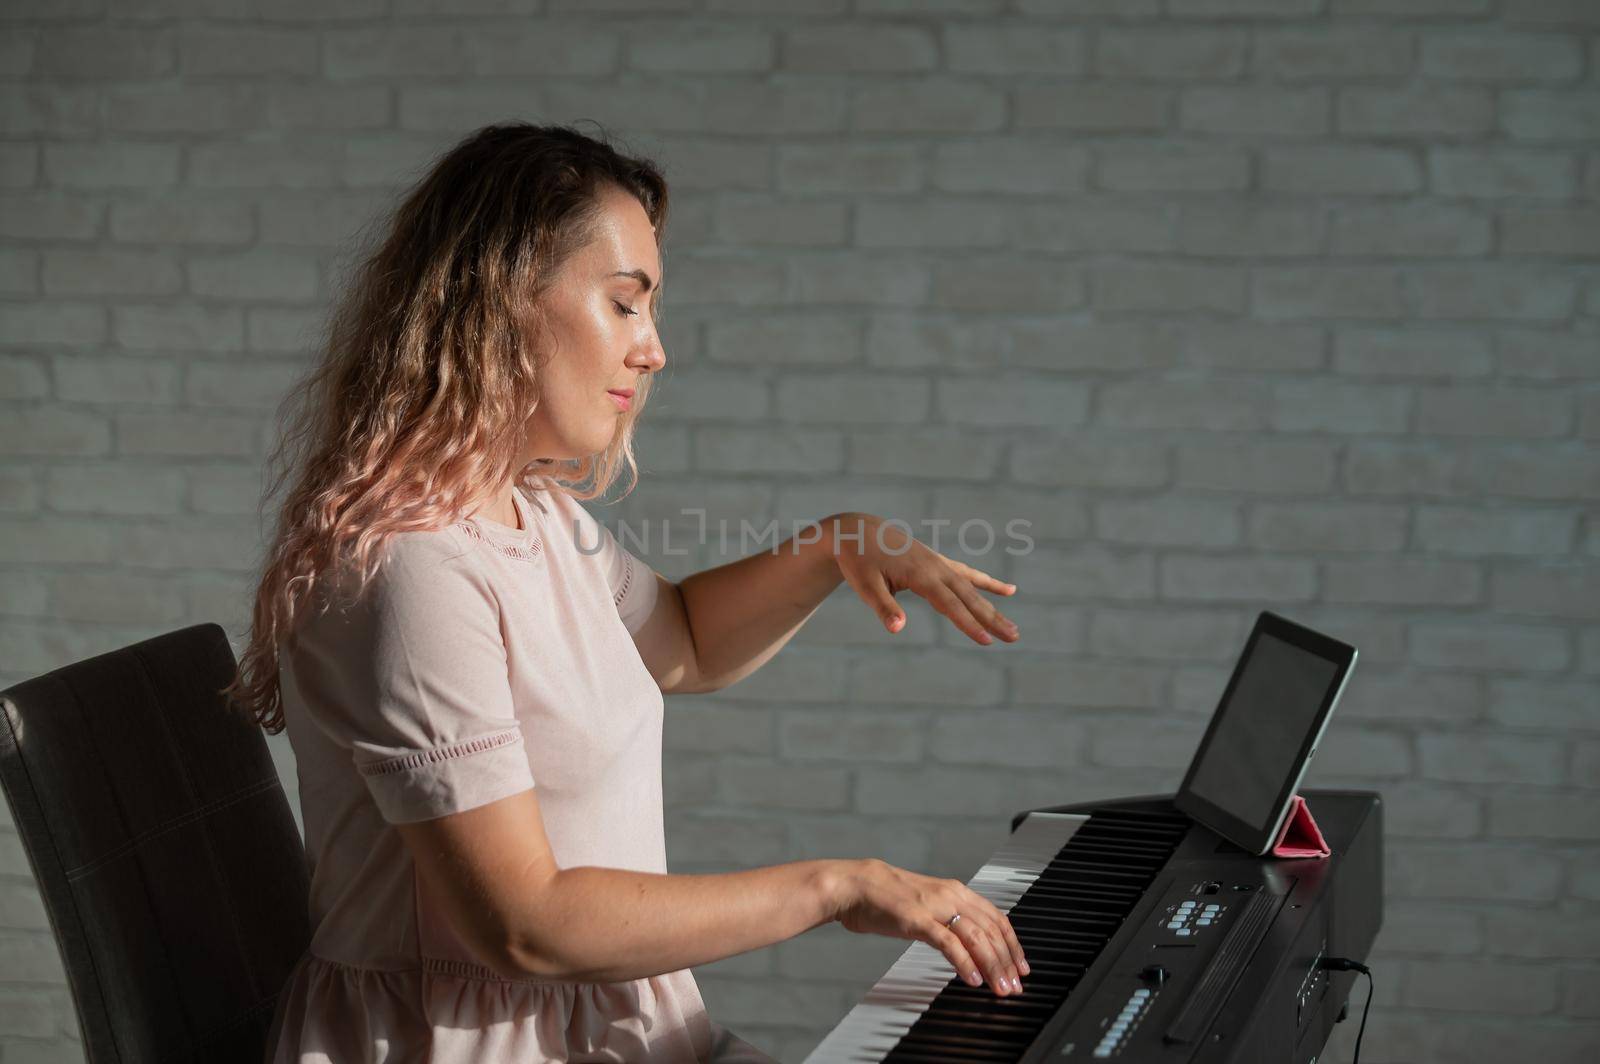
x=603 y=339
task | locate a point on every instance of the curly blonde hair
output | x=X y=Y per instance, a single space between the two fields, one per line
x=431 y=370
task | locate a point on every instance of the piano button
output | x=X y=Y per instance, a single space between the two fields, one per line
x=1182 y=931
x=1203 y=922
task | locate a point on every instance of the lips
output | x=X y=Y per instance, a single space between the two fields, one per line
x=626 y=393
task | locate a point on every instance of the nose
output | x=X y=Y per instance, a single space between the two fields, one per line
x=648 y=359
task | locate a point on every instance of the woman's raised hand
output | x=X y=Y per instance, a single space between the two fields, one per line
x=874 y=897
x=879 y=560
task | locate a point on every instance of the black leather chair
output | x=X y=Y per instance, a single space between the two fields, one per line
x=165 y=851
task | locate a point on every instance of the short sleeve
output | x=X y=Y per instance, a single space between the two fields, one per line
x=632 y=582
x=413 y=680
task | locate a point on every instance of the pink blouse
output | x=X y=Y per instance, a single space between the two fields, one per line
x=482 y=660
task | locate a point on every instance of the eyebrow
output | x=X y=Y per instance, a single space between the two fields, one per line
x=638 y=275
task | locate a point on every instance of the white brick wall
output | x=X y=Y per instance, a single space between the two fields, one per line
x=1242 y=303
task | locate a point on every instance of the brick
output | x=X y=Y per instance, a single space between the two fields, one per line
x=866 y=169
x=53 y=430
x=844 y=279
x=1324 y=527
x=1474 y=530
x=1501 y=173
x=1253 y=231
x=19 y=272
x=1080 y=460
x=392 y=51
x=1170 y=288
x=1172 y=168
x=115 y=380
x=38 y=323
x=110 y=271
x=1086 y=684
x=723 y=395
x=1548 y=116
x=23 y=378
x=1169 y=634
x=50 y=110
x=704 y=49
x=998 y=284
x=977 y=519
x=1410 y=231
x=991 y=792
x=544 y=49
x=1552 y=13
x=1014 y=50
x=319 y=107
x=1029 y=739
x=1539 y=354
x=1491 y=759
x=1364 y=755
x=932 y=224
x=254 y=275
x=1328 y=292
x=451 y=107
x=1490 y=647
x=751 y=783
x=117 y=598
x=103 y=54
x=1007 y=403
x=1253 y=111
x=50 y=216
x=1170 y=54
x=933 y=454
x=929 y=678
x=748 y=450
x=111 y=165
x=949 y=343
x=1092 y=108
x=274 y=165
x=1473 y=986
x=1403 y=582
x=1473 y=871
x=1090 y=224
x=1563 y=815
x=1209 y=578
x=723 y=842
x=852 y=736
x=1171 y=521
x=929 y=105
x=1494 y=411
x=1332 y=54
x=19 y=165
x=1511 y=292
x=1429 y=811
x=1410 y=928
x=176 y=327
x=1198 y=403
x=158 y=109
x=245 y=52
x=1550 y=232
x=1331 y=406
x=761 y=220
x=1501 y=56
x=230 y=490
x=1086 y=573
x=1163 y=744
x=1242 y=8
x=1289 y=467
x=1412 y=352
x=1342 y=171
x=184 y=433
x=863 y=49
x=1547 y=590
x=260 y=385
x=1557 y=705
x=1424 y=111
x=187 y=221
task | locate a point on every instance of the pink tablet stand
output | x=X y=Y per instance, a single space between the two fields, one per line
x=1300 y=837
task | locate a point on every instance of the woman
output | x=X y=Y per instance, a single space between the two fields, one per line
x=470 y=667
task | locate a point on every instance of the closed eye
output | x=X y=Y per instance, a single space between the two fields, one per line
x=622 y=311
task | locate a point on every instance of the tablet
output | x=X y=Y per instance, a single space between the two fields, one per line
x=1273 y=712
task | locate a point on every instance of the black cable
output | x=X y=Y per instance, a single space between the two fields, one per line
x=1344 y=964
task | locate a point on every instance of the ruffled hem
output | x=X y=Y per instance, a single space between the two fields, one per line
x=450 y=1012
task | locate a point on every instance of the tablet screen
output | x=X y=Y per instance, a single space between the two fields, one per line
x=1281 y=689
x=1276 y=705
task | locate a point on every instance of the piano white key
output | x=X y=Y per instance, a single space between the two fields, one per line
x=896 y=1001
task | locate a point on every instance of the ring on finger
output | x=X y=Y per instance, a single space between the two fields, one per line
x=951 y=923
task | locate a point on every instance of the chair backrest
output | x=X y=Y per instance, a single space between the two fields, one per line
x=164 y=848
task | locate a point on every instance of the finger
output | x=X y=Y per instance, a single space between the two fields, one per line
x=983 y=579
x=946 y=942
x=985 y=611
x=983 y=947
x=874 y=591
x=1005 y=961
x=946 y=601
x=1002 y=923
